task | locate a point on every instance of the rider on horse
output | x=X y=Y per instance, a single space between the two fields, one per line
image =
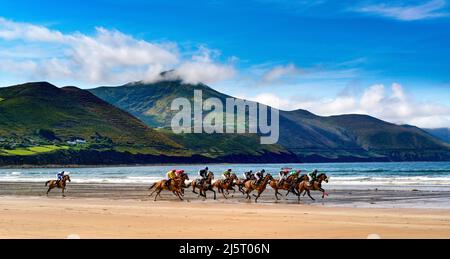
x=283 y=175
x=248 y=176
x=312 y=177
x=170 y=176
x=59 y=177
x=203 y=173
x=227 y=174
x=259 y=176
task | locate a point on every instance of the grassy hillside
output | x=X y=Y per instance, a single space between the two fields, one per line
x=301 y=132
x=40 y=114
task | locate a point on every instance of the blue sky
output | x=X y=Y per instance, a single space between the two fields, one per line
x=325 y=56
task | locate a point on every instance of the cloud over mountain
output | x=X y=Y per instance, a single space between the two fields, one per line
x=108 y=56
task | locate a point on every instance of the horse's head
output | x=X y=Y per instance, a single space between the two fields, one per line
x=323 y=177
x=184 y=176
x=210 y=175
x=269 y=177
x=66 y=178
x=233 y=176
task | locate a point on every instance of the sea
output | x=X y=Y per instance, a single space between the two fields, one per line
x=404 y=175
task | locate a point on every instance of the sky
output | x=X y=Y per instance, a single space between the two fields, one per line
x=388 y=59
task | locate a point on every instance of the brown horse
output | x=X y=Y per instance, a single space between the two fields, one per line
x=251 y=186
x=55 y=184
x=175 y=186
x=204 y=186
x=284 y=186
x=303 y=186
x=223 y=185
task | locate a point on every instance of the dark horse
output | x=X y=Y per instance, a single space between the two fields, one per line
x=204 y=186
x=55 y=184
x=303 y=186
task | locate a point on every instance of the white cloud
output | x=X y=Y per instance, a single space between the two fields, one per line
x=108 y=56
x=392 y=105
x=202 y=69
x=428 y=10
x=280 y=72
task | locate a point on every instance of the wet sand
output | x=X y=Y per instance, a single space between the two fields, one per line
x=126 y=211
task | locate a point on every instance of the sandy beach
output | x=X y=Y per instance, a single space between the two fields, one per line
x=125 y=211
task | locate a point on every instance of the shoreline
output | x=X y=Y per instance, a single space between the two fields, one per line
x=50 y=166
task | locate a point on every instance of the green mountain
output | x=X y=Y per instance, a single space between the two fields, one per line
x=310 y=137
x=151 y=104
x=39 y=118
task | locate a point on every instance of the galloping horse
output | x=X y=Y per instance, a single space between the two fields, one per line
x=205 y=186
x=223 y=185
x=240 y=184
x=61 y=184
x=176 y=186
x=304 y=186
x=251 y=186
x=285 y=186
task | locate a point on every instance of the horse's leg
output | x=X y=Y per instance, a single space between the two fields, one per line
x=309 y=194
x=62 y=190
x=223 y=193
x=215 y=195
x=257 y=197
x=193 y=188
x=158 y=194
x=179 y=196
x=324 y=193
x=248 y=194
x=151 y=194
x=49 y=189
x=278 y=193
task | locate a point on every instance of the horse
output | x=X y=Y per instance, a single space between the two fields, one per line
x=55 y=184
x=225 y=185
x=204 y=186
x=240 y=184
x=276 y=186
x=251 y=186
x=303 y=186
x=176 y=186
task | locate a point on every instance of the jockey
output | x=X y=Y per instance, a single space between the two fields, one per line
x=226 y=175
x=259 y=176
x=248 y=175
x=179 y=173
x=59 y=177
x=312 y=177
x=203 y=173
x=170 y=176
x=283 y=176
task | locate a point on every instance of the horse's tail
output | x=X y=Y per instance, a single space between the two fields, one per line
x=153 y=186
x=47 y=183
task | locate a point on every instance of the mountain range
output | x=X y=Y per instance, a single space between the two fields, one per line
x=41 y=124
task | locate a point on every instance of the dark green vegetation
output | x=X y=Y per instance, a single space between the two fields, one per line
x=310 y=137
x=41 y=124
x=39 y=118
